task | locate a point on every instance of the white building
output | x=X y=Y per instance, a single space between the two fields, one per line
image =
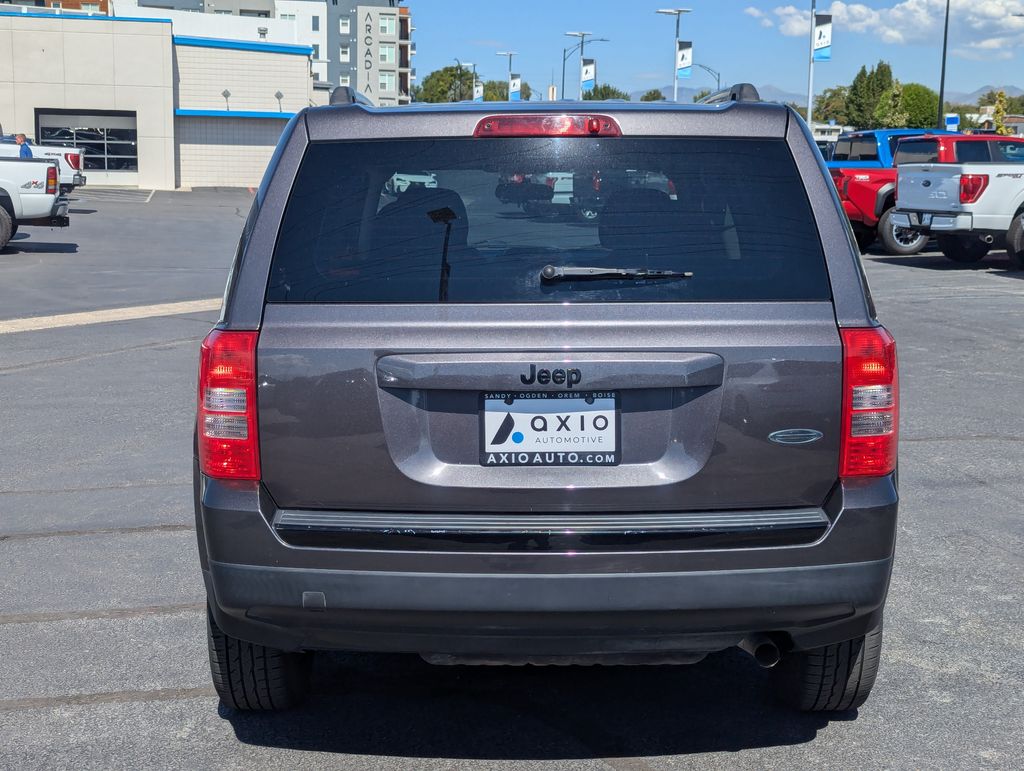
x=152 y=107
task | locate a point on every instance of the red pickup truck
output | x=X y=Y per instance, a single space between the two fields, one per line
x=869 y=194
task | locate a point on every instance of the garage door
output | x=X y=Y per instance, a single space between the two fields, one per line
x=224 y=151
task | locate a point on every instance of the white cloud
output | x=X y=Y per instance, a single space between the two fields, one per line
x=760 y=15
x=979 y=29
x=793 y=21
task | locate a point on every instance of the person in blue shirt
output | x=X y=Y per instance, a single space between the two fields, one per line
x=25 y=151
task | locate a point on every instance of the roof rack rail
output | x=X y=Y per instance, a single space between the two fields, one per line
x=348 y=95
x=740 y=92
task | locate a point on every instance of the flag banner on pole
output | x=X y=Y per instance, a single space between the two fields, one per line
x=478 y=91
x=822 y=37
x=684 y=59
x=515 y=85
x=588 y=74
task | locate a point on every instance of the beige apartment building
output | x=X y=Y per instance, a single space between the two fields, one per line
x=151 y=109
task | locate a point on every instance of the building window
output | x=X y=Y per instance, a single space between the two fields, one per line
x=109 y=141
x=387 y=25
x=222 y=13
x=286 y=16
x=343 y=54
x=345 y=25
x=387 y=53
x=316 y=50
x=91 y=7
x=344 y=80
x=316 y=23
x=387 y=81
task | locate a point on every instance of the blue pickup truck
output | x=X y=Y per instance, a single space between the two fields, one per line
x=872 y=149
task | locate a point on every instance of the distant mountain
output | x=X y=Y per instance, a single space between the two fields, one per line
x=768 y=92
x=972 y=98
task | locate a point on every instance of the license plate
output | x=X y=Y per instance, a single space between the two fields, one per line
x=549 y=429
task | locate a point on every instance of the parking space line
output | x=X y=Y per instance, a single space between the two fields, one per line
x=157 y=694
x=45 y=617
x=35 y=323
x=169 y=528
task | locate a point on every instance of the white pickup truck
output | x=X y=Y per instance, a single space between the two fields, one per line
x=29 y=195
x=69 y=160
x=969 y=207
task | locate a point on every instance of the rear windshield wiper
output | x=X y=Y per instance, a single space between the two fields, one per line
x=570 y=273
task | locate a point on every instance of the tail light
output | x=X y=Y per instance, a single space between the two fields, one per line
x=671 y=189
x=596 y=183
x=51 y=180
x=226 y=418
x=972 y=186
x=74 y=160
x=871 y=399
x=550 y=182
x=547 y=126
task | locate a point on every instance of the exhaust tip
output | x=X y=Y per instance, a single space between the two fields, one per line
x=988 y=239
x=763 y=650
x=767 y=655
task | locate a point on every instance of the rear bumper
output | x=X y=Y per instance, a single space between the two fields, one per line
x=58 y=217
x=933 y=222
x=542 y=603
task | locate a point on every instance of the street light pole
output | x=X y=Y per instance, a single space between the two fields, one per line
x=713 y=73
x=939 y=122
x=509 y=54
x=567 y=52
x=810 y=71
x=677 y=12
x=583 y=39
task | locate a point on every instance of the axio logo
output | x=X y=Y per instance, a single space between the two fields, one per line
x=566 y=377
x=505 y=430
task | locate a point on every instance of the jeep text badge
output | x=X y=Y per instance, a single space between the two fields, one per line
x=567 y=377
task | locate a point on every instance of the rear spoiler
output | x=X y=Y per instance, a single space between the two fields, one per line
x=740 y=92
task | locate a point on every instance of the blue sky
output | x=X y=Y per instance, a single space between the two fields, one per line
x=760 y=42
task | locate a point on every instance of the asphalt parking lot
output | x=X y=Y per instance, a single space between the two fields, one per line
x=101 y=616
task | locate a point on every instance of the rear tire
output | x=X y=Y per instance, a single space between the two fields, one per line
x=7 y=227
x=252 y=677
x=901 y=241
x=1015 y=242
x=962 y=250
x=834 y=678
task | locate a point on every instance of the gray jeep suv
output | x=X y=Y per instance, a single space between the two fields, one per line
x=431 y=422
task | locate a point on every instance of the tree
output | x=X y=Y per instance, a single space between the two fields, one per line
x=605 y=91
x=890 y=112
x=448 y=84
x=858 y=98
x=999 y=116
x=865 y=91
x=701 y=94
x=800 y=108
x=830 y=104
x=654 y=95
x=921 y=104
x=497 y=91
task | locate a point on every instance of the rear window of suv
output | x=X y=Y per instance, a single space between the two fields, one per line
x=382 y=221
x=917 y=151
